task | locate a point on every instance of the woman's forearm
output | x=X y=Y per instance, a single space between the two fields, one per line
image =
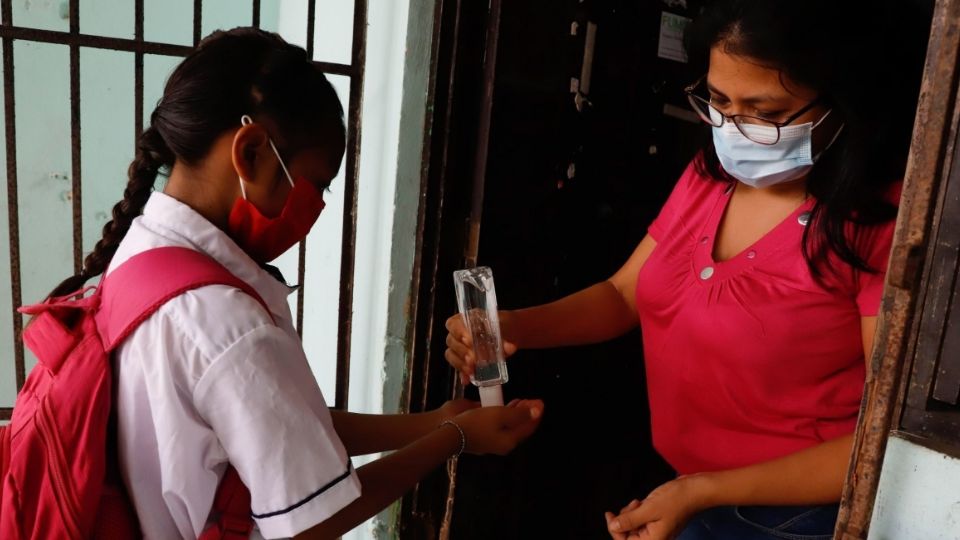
x=592 y=315
x=811 y=476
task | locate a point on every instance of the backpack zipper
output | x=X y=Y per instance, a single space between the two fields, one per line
x=56 y=464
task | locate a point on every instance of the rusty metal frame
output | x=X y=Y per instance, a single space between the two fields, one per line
x=75 y=40
x=76 y=197
x=932 y=147
x=425 y=270
x=13 y=214
x=349 y=232
x=415 y=517
x=460 y=88
x=302 y=250
x=472 y=247
x=197 y=21
x=95 y=42
x=138 y=69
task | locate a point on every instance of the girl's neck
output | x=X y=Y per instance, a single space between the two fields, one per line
x=202 y=189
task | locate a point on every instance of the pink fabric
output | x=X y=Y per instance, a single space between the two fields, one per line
x=757 y=360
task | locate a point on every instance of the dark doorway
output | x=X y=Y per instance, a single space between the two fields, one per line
x=568 y=194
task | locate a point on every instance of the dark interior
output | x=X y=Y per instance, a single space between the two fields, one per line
x=546 y=235
x=548 y=231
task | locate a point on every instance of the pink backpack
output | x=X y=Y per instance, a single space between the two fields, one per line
x=59 y=476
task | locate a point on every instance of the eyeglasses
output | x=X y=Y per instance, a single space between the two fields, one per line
x=751 y=127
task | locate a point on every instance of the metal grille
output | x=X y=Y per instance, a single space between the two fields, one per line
x=9 y=33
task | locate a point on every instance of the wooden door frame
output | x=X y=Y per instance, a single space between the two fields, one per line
x=931 y=155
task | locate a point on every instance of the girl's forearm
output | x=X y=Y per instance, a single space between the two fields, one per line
x=387 y=479
x=371 y=433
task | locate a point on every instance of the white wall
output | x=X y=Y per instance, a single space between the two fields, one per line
x=918 y=496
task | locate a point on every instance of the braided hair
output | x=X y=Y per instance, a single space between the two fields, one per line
x=231 y=73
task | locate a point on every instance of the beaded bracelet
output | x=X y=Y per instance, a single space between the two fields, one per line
x=463 y=436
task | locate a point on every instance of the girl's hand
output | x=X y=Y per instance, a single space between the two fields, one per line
x=454 y=407
x=459 y=352
x=498 y=430
x=663 y=514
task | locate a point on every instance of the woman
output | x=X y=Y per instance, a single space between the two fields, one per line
x=250 y=133
x=757 y=287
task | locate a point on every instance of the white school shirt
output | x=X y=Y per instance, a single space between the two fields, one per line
x=210 y=379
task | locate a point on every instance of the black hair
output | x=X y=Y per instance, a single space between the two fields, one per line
x=865 y=59
x=231 y=73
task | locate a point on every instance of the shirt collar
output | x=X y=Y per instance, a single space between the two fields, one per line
x=179 y=219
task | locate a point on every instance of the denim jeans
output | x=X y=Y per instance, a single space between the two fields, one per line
x=763 y=523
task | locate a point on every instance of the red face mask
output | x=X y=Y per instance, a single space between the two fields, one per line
x=264 y=238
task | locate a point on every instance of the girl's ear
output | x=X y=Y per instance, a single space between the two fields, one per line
x=249 y=145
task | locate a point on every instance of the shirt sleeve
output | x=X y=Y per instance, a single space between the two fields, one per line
x=264 y=405
x=671 y=210
x=875 y=248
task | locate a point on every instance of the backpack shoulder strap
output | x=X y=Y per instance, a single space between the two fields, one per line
x=133 y=292
x=140 y=286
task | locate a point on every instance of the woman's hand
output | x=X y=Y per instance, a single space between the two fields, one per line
x=609 y=516
x=663 y=514
x=498 y=430
x=459 y=352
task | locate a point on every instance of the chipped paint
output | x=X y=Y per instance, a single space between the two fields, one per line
x=917 y=496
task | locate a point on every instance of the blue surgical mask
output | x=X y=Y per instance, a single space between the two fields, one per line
x=763 y=165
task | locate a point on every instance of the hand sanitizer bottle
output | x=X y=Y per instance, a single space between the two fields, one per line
x=477 y=300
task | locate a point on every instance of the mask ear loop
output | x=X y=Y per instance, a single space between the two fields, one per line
x=282 y=164
x=243 y=189
x=822 y=118
x=835 y=135
x=246 y=121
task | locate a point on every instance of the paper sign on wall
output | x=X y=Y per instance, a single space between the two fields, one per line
x=671 y=37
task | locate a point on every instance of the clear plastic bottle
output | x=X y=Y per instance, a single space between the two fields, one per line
x=477 y=300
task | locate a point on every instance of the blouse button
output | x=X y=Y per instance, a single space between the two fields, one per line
x=706 y=273
x=704 y=239
x=804 y=218
x=751 y=254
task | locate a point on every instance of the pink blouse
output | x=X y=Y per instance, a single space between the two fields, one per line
x=750 y=359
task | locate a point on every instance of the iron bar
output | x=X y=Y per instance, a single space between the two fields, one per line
x=76 y=191
x=13 y=214
x=349 y=233
x=95 y=42
x=197 y=22
x=138 y=70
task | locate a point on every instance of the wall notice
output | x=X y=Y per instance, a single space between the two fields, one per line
x=671 y=37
